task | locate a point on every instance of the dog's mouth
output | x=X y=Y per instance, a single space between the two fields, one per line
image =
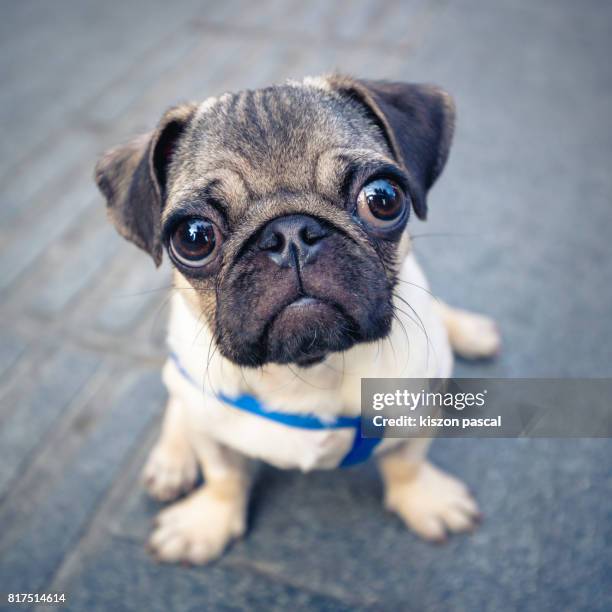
x=299 y=313
x=305 y=330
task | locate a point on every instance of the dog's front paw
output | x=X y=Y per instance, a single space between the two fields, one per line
x=473 y=336
x=170 y=471
x=197 y=529
x=433 y=503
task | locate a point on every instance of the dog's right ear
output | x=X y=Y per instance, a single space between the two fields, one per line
x=133 y=179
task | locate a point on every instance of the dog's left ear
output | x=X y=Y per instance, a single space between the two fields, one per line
x=133 y=179
x=417 y=121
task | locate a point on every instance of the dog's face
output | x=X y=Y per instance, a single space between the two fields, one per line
x=284 y=207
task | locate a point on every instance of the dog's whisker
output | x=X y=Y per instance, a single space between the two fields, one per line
x=208 y=362
x=314 y=339
x=401 y=324
x=420 y=320
x=244 y=380
x=306 y=382
x=149 y=291
x=430 y=345
x=401 y=280
x=390 y=340
x=203 y=326
x=158 y=311
x=444 y=235
x=421 y=328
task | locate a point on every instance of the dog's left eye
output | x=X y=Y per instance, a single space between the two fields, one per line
x=193 y=241
x=381 y=203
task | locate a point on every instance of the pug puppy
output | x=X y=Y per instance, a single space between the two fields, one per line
x=284 y=212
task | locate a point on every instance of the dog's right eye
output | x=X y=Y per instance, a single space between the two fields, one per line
x=193 y=241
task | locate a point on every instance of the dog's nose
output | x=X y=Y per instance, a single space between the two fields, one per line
x=293 y=240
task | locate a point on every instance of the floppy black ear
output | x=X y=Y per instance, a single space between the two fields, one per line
x=133 y=176
x=417 y=121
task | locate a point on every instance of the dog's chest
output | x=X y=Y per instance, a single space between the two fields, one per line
x=288 y=440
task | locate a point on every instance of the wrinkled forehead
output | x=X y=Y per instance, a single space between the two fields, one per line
x=290 y=137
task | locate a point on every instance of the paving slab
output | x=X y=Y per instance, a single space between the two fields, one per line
x=519 y=228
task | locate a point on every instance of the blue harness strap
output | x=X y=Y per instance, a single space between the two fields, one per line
x=360 y=451
x=249 y=403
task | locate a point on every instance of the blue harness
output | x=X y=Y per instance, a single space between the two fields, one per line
x=360 y=451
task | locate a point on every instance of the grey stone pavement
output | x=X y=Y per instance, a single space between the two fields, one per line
x=521 y=226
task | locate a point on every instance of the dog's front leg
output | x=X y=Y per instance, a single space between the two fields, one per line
x=428 y=500
x=171 y=468
x=198 y=528
x=472 y=336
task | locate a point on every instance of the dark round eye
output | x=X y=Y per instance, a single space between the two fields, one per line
x=193 y=241
x=381 y=202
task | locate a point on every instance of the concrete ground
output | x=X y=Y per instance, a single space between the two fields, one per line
x=520 y=228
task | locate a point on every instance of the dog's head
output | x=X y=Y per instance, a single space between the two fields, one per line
x=284 y=208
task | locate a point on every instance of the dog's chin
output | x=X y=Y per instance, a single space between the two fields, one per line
x=306 y=330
